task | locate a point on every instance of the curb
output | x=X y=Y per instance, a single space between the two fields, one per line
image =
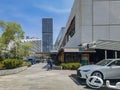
x=57 y=67
x=12 y=71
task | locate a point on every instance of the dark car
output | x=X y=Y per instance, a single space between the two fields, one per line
x=32 y=61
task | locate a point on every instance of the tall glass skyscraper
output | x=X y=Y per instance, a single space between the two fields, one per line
x=47 y=34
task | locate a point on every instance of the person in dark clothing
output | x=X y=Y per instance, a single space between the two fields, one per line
x=51 y=63
x=48 y=65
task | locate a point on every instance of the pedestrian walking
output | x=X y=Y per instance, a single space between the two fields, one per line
x=51 y=63
x=48 y=65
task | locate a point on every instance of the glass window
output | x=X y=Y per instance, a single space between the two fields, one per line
x=115 y=63
x=103 y=62
x=71 y=30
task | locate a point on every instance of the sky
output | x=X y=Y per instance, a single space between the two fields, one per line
x=29 y=14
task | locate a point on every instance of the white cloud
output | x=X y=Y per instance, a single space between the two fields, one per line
x=53 y=9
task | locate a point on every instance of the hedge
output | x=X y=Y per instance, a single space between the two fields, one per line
x=1 y=66
x=70 y=66
x=13 y=63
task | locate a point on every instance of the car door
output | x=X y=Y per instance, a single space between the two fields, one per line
x=114 y=70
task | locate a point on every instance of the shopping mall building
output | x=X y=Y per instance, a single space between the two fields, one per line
x=92 y=32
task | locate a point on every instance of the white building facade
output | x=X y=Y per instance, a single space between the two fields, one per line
x=93 y=20
x=90 y=21
x=36 y=42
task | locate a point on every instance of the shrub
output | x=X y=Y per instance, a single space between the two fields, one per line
x=26 y=64
x=11 y=63
x=1 y=66
x=71 y=66
x=14 y=63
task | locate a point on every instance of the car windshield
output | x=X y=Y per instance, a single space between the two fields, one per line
x=103 y=62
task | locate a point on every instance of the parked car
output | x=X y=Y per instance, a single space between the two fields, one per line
x=32 y=61
x=105 y=69
x=37 y=60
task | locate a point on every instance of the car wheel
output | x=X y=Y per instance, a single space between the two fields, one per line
x=98 y=74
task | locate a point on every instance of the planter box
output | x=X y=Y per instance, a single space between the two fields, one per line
x=12 y=71
x=57 y=67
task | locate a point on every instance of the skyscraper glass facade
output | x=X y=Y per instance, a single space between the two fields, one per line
x=47 y=34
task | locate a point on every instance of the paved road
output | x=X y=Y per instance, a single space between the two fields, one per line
x=38 y=78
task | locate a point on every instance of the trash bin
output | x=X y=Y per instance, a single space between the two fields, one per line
x=84 y=61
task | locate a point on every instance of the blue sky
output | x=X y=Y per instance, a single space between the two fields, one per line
x=29 y=14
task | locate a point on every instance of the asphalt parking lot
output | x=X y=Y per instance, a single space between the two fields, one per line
x=37 y=77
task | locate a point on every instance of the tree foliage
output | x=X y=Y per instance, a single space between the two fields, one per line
x=11 y=32
x=26 y=47
x=10 y=41
x=2 y=25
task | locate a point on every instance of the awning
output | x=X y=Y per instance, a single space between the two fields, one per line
x=77 y=49
x=107 y=45
x=71 y=49
x=53 y=51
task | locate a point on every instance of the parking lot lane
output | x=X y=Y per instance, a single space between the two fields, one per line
x=37 y=78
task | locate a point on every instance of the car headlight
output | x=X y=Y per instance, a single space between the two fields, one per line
x=85 y=70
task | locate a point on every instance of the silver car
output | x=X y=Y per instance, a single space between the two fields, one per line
x=105 y=69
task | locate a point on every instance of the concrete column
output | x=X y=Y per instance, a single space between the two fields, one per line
x=105 y=54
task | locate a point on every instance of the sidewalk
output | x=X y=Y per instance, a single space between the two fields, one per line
x=37 y=78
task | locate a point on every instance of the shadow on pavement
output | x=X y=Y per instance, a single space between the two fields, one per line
x=82 y=82
x=44 y=67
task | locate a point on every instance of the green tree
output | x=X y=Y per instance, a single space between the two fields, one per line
x=2 y=25
x=2 y=28
x=12 y=32
x=26 y=49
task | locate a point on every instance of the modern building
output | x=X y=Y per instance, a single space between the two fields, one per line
x=89 y=21
x=59 y=38
x=36 y=42
x=47 y=34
